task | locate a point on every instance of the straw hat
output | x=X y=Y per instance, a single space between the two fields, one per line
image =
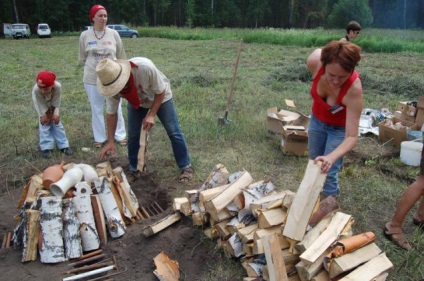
x=112 y=75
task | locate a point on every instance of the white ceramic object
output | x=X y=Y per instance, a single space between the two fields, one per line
x=70 y=178
x=114 y=221
x=89 y=172
x=410 y=152
x=89 y=237
x=51 y=249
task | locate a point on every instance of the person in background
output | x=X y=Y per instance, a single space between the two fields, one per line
x=337 y=102
x=95 y=44
x=353 y=29
x=149 y=94
x=46 y=99
x=411 y=195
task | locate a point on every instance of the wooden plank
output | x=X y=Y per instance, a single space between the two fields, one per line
x=266 y=201
x=321 y=276
x=307 y=272
x=274 y=258
x=304 y=201
x=370 y=269
x=32 y=231
x=142 y=151
x=246 y=233
x=313 y=234
x=272 y=217
x=161 y=225
x=351 y=260
x=177 y=202
x=328 y=237
x=219 y=202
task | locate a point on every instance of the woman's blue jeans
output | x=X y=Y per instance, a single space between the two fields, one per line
x=169 y=119
x=323 y=139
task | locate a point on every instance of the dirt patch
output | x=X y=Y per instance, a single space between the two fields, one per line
x=134 y=253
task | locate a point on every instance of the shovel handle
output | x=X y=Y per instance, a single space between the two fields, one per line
x=230 y=96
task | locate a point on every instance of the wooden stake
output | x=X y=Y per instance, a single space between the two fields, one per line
x=87 y=260
x=91 y=254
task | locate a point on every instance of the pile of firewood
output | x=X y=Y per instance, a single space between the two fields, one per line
x=61 y=228
x=282 y=235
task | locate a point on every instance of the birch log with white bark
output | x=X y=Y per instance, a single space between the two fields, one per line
x=89 y=237
x=115 y=223
x=51 y=248
x=71 y=233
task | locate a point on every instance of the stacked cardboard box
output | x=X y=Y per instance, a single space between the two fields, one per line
x=290 y=128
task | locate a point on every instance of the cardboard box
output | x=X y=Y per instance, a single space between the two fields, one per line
x=407 y=108
x=295 y=137
x=277 y=119
x=403 y=116
x=294 y=142
x=419 y=119
x=397 y=136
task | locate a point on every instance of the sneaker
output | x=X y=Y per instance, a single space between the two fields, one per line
x=67 y=151
x=47 y=153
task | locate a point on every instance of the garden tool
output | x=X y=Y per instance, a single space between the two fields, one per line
x=224 y=120
x=347 y=245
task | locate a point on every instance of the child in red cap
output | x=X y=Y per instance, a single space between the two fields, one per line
x=46 y=98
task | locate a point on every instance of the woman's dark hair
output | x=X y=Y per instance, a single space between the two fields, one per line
x=344 y=53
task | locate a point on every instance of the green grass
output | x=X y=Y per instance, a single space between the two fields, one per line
x=200 y=71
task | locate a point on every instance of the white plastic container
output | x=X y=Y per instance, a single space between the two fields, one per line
x=410 y=152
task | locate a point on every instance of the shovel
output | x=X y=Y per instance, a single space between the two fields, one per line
x=224 y=120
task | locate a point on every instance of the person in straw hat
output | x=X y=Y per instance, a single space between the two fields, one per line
x=46 y=99
x=148 y=92
x=96 y=43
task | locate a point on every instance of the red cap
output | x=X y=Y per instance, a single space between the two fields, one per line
x=45 y=79
x=94 y=10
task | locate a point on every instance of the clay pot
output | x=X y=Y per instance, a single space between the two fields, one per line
x=52 y=174
x=69 y=179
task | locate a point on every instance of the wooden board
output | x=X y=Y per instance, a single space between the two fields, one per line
x=371 y=269
x=161 y=225
x=328 y=237
x=304 y=201
x=219 y=202
x=99 y=218
x=354 y=259
x=274 y=258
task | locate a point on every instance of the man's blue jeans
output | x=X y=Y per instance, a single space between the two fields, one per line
x=323 y=139
x=169 y=119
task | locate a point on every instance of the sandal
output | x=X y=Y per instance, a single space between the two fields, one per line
x=418 y=223
x=186 y=174
x=98 y=144
x=397 y=237
x=123 y=142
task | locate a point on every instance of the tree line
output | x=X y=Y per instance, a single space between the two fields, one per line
x=72 y=15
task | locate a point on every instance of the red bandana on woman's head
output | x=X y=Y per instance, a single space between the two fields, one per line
x=129 y=92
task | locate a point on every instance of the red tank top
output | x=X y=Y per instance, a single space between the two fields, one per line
x=322 y=110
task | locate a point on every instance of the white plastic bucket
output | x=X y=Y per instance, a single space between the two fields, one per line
x=410 y=152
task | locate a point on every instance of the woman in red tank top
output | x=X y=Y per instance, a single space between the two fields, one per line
x=337 y=106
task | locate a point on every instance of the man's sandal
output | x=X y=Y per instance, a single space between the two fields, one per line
x=418 y=223
x=98 y=144
x=397 y=237
x=186 y=175
x=123 y=142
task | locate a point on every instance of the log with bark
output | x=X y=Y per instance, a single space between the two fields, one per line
x=71 y=233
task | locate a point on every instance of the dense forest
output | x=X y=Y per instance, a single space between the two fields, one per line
x=72 y=15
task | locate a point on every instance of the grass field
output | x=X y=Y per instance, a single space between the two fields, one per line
x=200 y=72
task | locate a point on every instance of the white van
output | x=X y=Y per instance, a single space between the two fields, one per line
x=20 y=30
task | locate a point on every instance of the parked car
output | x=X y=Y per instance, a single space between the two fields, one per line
x=124 y=31
x=43 y=30
x=20 y=30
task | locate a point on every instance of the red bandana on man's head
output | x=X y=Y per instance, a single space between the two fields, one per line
x=129 y=92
